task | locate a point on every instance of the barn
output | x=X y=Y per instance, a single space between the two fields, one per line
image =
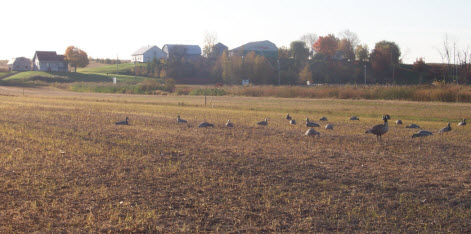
x=19 y=64
x=147 y=54
x=266 y=48
x=218 y=49
x=186 y=51
x=49 y=61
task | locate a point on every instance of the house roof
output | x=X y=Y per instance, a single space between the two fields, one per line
x=258 y=46
x=18 y=60
x=48 y=56
x=220 y=45
x=144 y=49
x=189 y=49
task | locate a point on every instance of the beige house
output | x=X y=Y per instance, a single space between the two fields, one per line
x=19 y=64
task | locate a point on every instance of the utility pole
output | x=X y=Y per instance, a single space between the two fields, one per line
x=117 y=64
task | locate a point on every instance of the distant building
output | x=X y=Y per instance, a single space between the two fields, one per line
x=217 y=50
x=147 y=54
x=19 y=64
x=264 y=48
x=49 y=61
x=186 y=51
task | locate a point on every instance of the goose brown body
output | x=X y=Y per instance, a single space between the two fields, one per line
x=125 y=122
x=380 y=129
x=205 y=125
x=311 y=124
x=263 y=123
x=422 y=133
x=445 y=129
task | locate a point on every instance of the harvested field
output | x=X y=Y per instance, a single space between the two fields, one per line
x=65 y=166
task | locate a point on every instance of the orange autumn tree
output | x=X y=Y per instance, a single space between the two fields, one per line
x=327 y=45
x=76 y=57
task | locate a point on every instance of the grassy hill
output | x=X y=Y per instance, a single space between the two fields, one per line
x=96 y=77
x=110 y=69
x=69 y=77
x=4 y=74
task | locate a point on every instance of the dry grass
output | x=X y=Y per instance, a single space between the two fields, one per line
x=65 y=166
x=3 y=64
x=443 y=93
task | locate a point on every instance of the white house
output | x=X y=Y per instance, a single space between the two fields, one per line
x=49 y=61
x=19 y=64
x=147 y=54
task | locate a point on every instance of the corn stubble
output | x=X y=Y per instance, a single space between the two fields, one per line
x=65 y=166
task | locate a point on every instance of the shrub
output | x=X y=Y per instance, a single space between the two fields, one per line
x=170 y=85
x=208 y=92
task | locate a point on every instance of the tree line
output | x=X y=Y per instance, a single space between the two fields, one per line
x=327 y=59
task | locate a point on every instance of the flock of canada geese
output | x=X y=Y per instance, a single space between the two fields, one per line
x=378 y=130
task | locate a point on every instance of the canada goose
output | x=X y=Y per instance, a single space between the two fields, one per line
x=205 y=125
x=329 y=127
x=311 y=124
x=293 y=122
x=312 y=132
x=229 y=124
x=445 y=129
x=288 y=117
x=413 y=126
x=125 y=122
x=422 y=133
x=323 y=119
x=462 y=123
x=263 y=123
x=179 y=120
x=354 y=118
x=380 y=129
x=398 y=121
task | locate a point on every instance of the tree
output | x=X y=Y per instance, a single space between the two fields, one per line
x=283 y=53
x=390 y=49
x=305 y=74
x=233 y=69
x=351 y=37
x=347 y=48
x=327 y=45
x=76 y=57
x=299 y=52
x=419 y=66
x=362 y=52
x=263 y=70
x=309 y=39
x=385 y=54
x=209 y=41
x=349 y=40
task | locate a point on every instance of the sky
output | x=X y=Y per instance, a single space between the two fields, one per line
x=111 y=28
